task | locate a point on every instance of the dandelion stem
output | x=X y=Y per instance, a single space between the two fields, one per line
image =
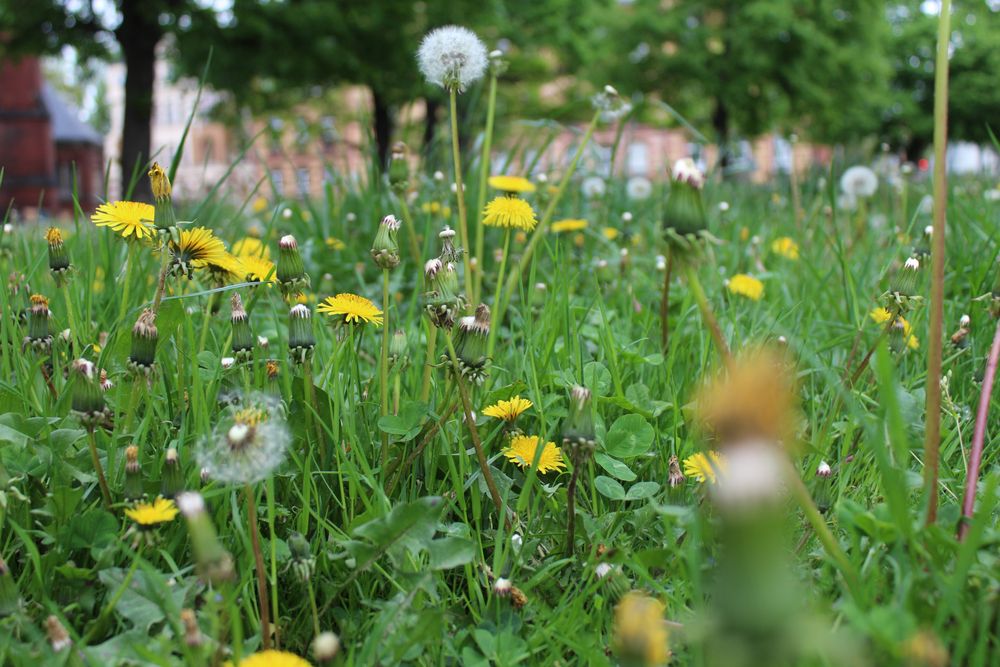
x=312 y=412
x=384 y=365
x=707 y=314
x=425 y=387
x=312 y=607
x=932 y=431
x=979 y=436
x=431 y=432
x=463 y=225
x=484 y=171
x=473 y=432
x=571 y=509
x=258 y=557
x=127 y=287
x=274 y=559
x=102 y=482
x=665 y=303
x=411 y=230
x=161 y=282
x=102 y=618
x=496 y=295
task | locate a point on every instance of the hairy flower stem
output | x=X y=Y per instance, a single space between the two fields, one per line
x=463 y=224
x=258 y=558
x=161 y=282
x=665 y=303
x=491 y=343
x=484 y=172
x=979 y=436
x=470 y=422
x=571 y=510
x=411 y=230
x=932 y=431
x=102 y=482
x=543 y=224
x=425 y=386
x=707 y=314
x=384 y=363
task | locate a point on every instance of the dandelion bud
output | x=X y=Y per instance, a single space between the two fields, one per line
x=398 y=349
x=172 y=482
x=502 y=587
x=578 y=429
x=192 y=634
x=385 y=249
x=10 y=599
x=301 y=339
x=291 y=272
x=39 y=333
x=823 y=469
x=105 y=382
x=603 y=270
x=133 y=474
x=58 y=637
x=964 y=321
x=144 y=335
x=903 y=286
x=242 y=335
x=640 y=635
x=470 y=344
x=399 y=168
x=87 y=400
x=214 y=563
x=58 y=256
x=272 y=370
x=303 y=563
x=325 y=646
x=441 y=299
x=610 y=104
x=684 y=218
x=498 y=64
x=227 y=363
x=263 y=342
x=163 y=217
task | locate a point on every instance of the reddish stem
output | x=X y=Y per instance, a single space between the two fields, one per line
x=979 y=437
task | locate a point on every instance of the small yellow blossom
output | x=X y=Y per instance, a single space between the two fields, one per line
x=272 y=658
x=704 y=467
x=786 y=247
x=508 y=410
x=353 y=308
x=522 y=449
x=641 y=635
x=610 y=233
x=128 y=218
x=335 y=243
x=513 y=184
x=568 y=225
x=747 y=286
x=509 y=213
x=147 y=515
x=259 y=205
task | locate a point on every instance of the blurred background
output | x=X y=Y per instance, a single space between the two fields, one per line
x=277 y=96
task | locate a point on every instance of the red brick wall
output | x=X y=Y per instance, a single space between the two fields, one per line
x=27 y=154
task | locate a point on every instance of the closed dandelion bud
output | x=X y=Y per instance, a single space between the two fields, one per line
x=498 y=64
x=10 y=599
x=87 y=400
x=613 y=580
x=142 y=355
x=243 y=339
x=449 y=253
x=502 y=587
x=399 y=168
x=301 y=339
x=133 y=474
x=470 y=344
x=163 y=217
x=303 y=563
x=441 y=298
x=172 y=481
x=58 y=256
x=398 y=349
x=903 y=286
x=192 y=633
x=325 y=646
x=684 y=219
x=214 y=563
x=385 y=249
x=578 y=429
x=57 y=635
x=39 y=332
x=291 y=272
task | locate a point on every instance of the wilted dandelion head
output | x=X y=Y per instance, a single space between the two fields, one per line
x=859 y=182
x=248 y=444
x=452 y=57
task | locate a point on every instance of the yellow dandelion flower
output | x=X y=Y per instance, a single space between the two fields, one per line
x=335 y=243
x=704 y=466
x=256 y=269
x=251 y=246
x=508 y=410
x=250 y=416
x=510 y=213
x=912 y=342
x=786 y=247
x=128 y=218
x=199 y=248
x=640 y=632
x=880 y=315
x=511 y=184
x=352 y=308
x=53 y=236
x=259 y=205
x=522 y=449
x=744 y=234
x=610 y=233
x=430 y=207
x=272 y=658
x=568 y=225
x=747 y=286
x=147 y=515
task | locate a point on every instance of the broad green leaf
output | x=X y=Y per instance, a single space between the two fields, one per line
x=407 y=423
x=642 y=490
x=614 y=467
x=609 y=488
x=629 y=436
x=449 y=552
x=408 y=527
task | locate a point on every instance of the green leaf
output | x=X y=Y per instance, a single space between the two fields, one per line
x=407 y=527
x=642 y=490
x=629 y=436
x=93 y=530
x=10 y=436
x=407 y=423
x=609 y=488
x=449 y=552
x=614 y=467
x=597 y=378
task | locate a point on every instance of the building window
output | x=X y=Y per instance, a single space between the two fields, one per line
x=278 y=182
x=303 y=181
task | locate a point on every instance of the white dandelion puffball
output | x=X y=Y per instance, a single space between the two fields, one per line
x=248 y=445
x=753 y=476
x=638 y=188
x=685 y=170
x=593 y=187
x=452 y=57
x=859 y=181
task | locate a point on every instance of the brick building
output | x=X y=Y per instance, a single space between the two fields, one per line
x=44 y=145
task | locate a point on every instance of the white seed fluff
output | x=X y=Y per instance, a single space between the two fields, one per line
x=452 y=57
x=859 y=181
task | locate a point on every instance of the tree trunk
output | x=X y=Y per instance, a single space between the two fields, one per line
x=138 y=35
x=720 y=121
x=383 y=129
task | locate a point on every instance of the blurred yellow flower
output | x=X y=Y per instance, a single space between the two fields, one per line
x=786 y=247
x=881 y=316
x=744 y=233
x=641 y=635
x=747 y=286
x=272 y=658
x=147 y=515
x=568 y=225
x=522 y=449
x=256 y=269
x=508 y=410
x=259 y=205
x=704 y=466
x=250 y=246
x=128 y=218
x=511 y=184
x=610 y=233
x=335 y=243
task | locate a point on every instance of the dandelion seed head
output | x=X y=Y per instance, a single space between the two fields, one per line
x=249 y=443
x=686 y=171
x=452 y=57
x=859 y=181
x=638 y=188
x=190 y=503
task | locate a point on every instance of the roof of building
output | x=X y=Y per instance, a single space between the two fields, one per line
x=66 y=125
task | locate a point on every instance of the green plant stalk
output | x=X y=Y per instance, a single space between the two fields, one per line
x=707 y=314
x=113 y=602
x=384 y=363
x=473 y=432
x=491 y=343
x=74 y=323
x=396 y=386
x=161 y=282
x=793 y=177
x=463 y=224
x=484 y=172
x=127 y=287
x=274 y=559
x=665 y=303
x=312 y=607
x=932 y=433
x=411 y=230
x=258 y=558
x=102 y=482
x=313 y=411
x=543 y=224
x=425 y=387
